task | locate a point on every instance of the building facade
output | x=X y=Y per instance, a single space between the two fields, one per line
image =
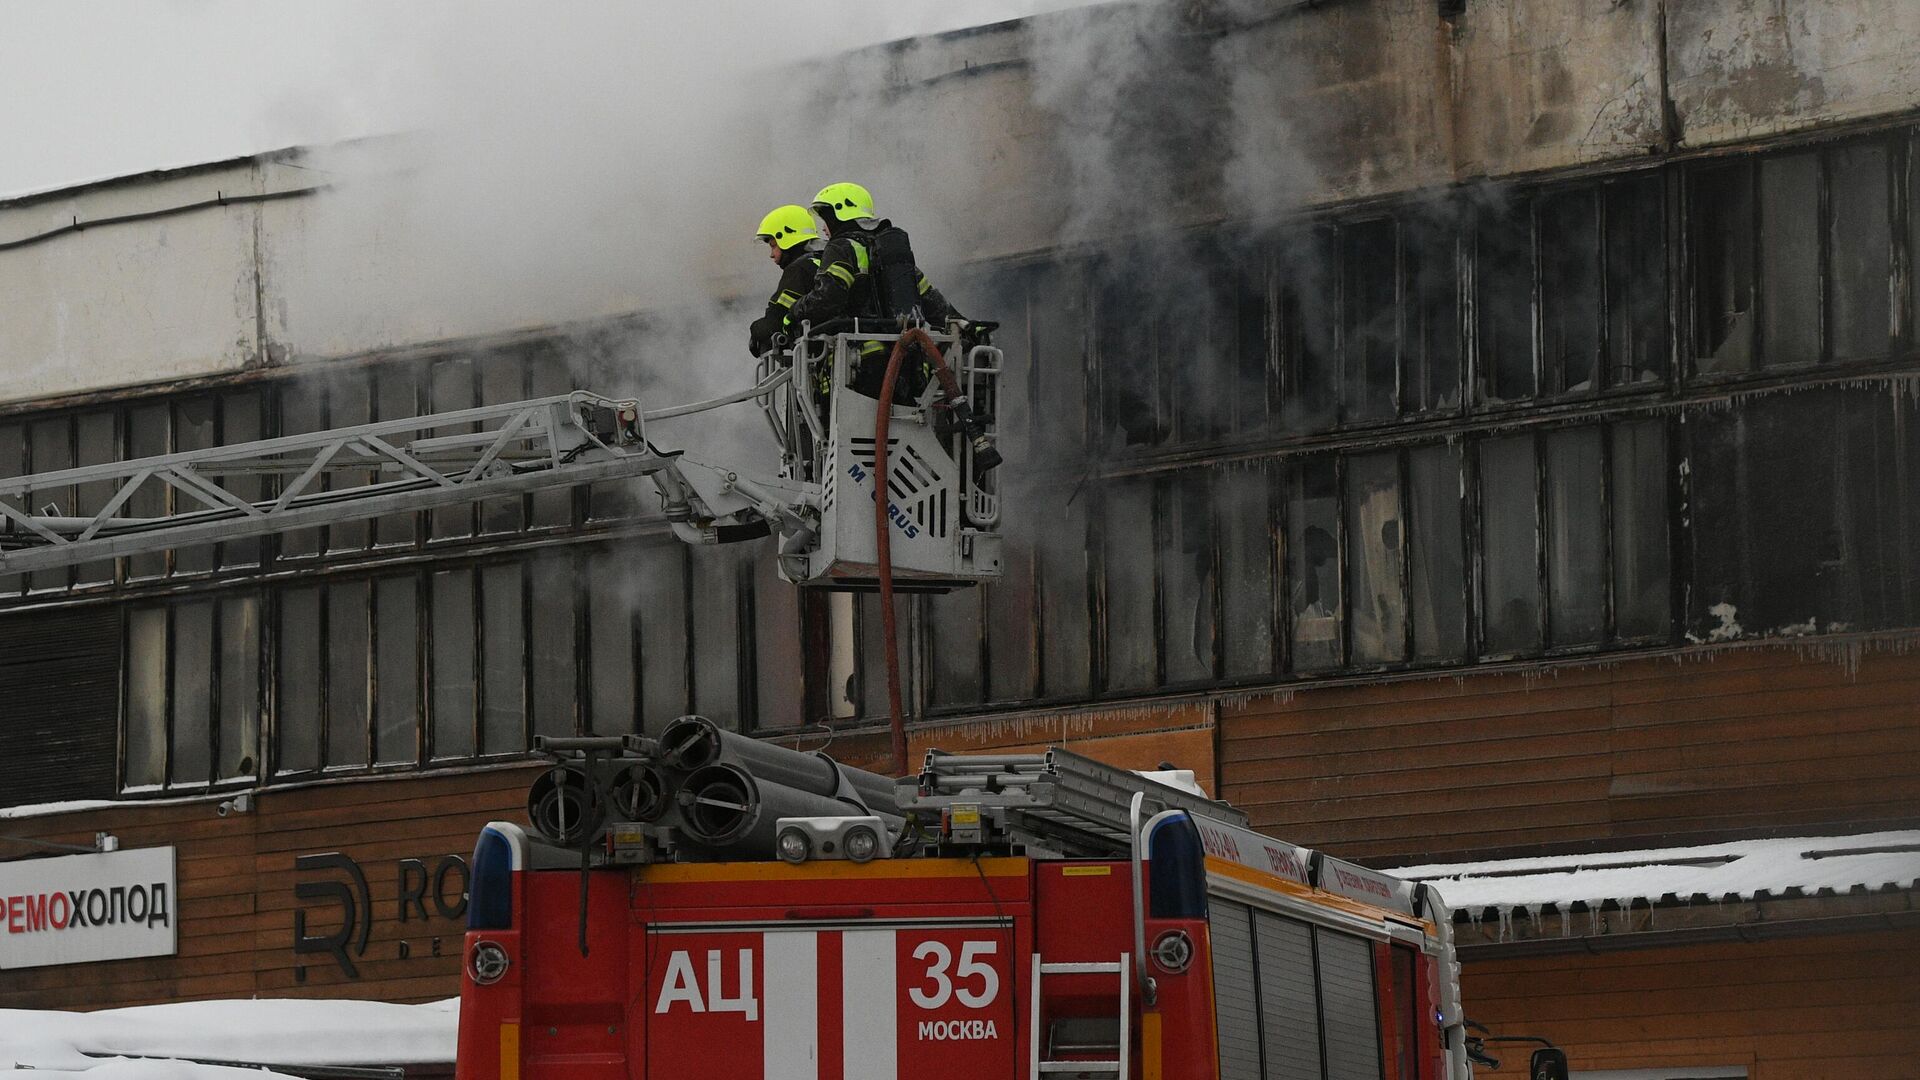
x=1497 y=442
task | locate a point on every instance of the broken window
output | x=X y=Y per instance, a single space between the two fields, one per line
x=720 y=660
x=296 y=698
x=1509 y=536
x=1860 y=238
x=1249 y=549
x=349 y=403
x=1641 y=588
x=1433 y=310
x=242 y=419
x=953 y=648
x=191 y=645
x=1370 y=338
x=97 y=437
x=1375 y=550
x=1721 y=198
x=874 y=702
x=348 y=683
x=303 y=410
x=1638 y=339
x=1307 y=265
x=1197 y=342
x=1060 y=552
x=13 y=462
x=239 y=720
x=396 y=396
x=1436 y=563
x=611 y=704
x=451 y=387
x=1313 y=563
x=1503 y=272
x=1790 y=259
x=657 y=585
x=1186 y=578
x=555 y=686
x=780 y=700
x=396 y=656
x=1126 y=545
x=1576 y=538
x=1056 y=329
x=1129 y=336
x=1247 y=334
x=503 y=659
x=1794 y=535
x=51 y=444
x=454 y=681
x=1570 y=289
x=146 y=710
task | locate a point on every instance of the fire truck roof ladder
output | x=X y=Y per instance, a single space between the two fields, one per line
x=1054 y=801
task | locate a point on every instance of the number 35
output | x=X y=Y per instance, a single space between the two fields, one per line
x=970 y=966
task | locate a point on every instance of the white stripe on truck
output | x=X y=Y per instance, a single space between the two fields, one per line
x=791 y=1006
x=870 y=1014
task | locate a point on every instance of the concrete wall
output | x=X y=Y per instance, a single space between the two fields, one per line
x=1009 y=139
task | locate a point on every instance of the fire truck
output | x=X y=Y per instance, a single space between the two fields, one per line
x=708 y=904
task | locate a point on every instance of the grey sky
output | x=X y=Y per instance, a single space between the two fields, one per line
x=90 y=90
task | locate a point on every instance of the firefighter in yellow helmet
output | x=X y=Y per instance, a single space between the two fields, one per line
x=793 y=243
x=867 y=271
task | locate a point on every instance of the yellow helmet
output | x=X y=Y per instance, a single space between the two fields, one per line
x=787 y=226
x=845 y=202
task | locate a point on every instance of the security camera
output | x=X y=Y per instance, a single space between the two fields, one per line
x=239 y=804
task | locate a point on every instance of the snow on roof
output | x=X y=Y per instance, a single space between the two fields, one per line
x=1743 y=869
x=44 y=1044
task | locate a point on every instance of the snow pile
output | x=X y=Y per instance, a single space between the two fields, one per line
x=1744 y=869
x=48 y=1044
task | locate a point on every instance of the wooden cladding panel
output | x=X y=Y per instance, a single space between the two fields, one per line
x=236 y=902
x=1811 y=1007
x=1664 y=750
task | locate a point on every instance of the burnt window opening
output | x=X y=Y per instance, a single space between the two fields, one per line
x=1436 y=567
x=1790 y=307
x=1316 y=608
x=1503 y=291
x=1510 y=537
x=1432 y=321
x=1128 y=598
x=1722 y=202
x=1369 y=339
x=1188 y=587
x=1570 y=290
x=1859 y=238
x=1638 y=507
x=1576 y=537
x=1376 y=553
x=554 y=616
x=1249 y=557
x=1795 y=535
x=1307 y=271
x=1132 y=346
x=1061 y=566
x=1638 y=341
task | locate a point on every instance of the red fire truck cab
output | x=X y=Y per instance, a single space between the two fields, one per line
x=1027 y=936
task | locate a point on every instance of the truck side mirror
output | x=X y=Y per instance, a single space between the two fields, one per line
x=1548 y=1064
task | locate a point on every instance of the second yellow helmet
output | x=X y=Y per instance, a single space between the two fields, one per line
x=788 y=226
x=846 y=202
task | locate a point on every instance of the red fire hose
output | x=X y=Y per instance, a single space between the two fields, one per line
x=883 y=532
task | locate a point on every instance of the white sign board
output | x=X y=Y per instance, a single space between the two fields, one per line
x=76 y=908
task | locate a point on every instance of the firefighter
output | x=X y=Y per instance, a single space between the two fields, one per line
x=867 y=271
x=794 y=245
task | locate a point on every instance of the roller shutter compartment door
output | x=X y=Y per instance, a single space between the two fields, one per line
x=1289 y=1021
x=1349 y=1014
x=1236 y=1006
x=59 y=705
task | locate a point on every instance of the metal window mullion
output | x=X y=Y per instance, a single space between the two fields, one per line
x=1466 y=292
x=423 y=714
x=1279 y=512
x=324 y=689
x=1824 y=244
x=373 y=657
x=525 y=566
x=582 y=636
x=1679 y=528
x=1096 y=593
x=1757 y=302
x=1404 y=465
x=1543 y=613
x=1160 y=510
x=476 y=588
x=1536 y=306
x=1609 y=590
x=216 y=677
x=1901 y=213
x=1216 y=573
x=1472 y=514
x=1338 y=339
x=1343 y=592
x=1402 y=296
x=1603 y=379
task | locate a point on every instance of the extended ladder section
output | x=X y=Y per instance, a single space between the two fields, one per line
x=945 y=519
x=1056 y=802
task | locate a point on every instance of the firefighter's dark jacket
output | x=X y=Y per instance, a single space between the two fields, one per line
x=797 y=273
x=870 y=274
